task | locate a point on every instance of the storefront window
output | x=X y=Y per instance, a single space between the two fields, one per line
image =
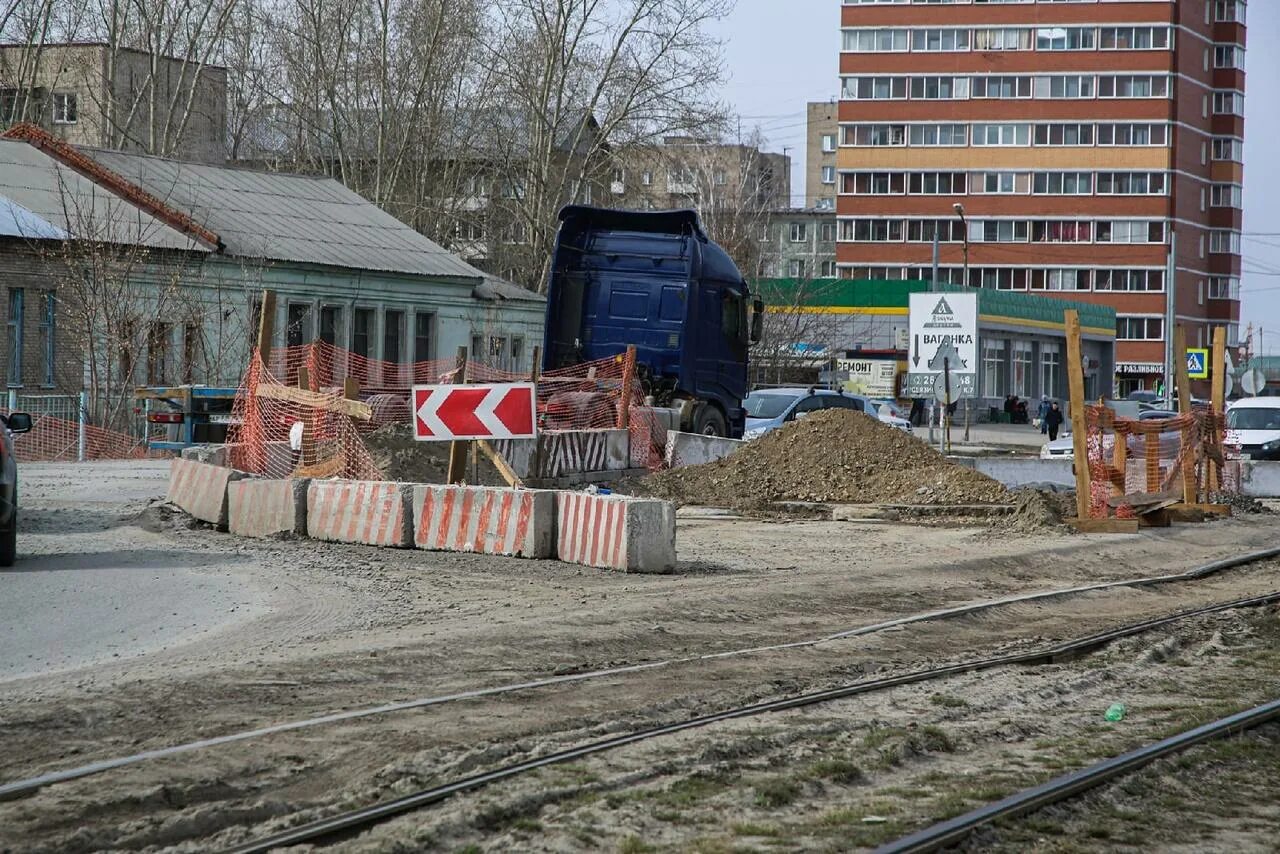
x=993 y=370
x=1050 y=368
x=1021 y=384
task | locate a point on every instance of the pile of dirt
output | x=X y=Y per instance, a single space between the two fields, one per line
x=1037 y=511
x=402 y=458
x=833 y=456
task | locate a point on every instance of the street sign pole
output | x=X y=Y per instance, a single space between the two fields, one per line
x=946 y=422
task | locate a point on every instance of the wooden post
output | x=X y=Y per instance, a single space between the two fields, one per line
x=1217 y=404
x=1120 y=462
x=628 y=378
x=307 y=447
x=535 y=373
x=536 y=370
x=1184 y=408
x=351 y=388
x=266 y=325
x=458 y=450
x=1079 y=439
x=500 y=463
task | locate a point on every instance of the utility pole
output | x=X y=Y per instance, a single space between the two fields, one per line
x=1170 y=311
x=964 y=233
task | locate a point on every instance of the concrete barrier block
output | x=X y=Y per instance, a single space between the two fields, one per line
x=201 y=489
x=214 y=455
x=487 y=520
x=694 y=449
x=1257 y=478
x=616 y=532
x=568 y=452
x=1014 y=472
x=374 y=513
x=264 y=508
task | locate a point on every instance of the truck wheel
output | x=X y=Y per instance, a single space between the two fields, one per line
x=709 y=422
x=9 y=541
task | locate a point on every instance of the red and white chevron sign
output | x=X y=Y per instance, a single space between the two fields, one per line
x=497 y=411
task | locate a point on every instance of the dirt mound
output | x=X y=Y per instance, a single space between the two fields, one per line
x=1037 y=511
x=402 y=458
x=836 y=456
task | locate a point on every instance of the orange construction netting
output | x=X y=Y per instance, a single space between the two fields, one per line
x=304 y=413
x=1135 y=464
x=59 y=440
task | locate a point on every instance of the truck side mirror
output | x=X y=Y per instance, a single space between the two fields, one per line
x=757 y=320
x=18 y=422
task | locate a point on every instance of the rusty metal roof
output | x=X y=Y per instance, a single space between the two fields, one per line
x=42 y=199
x=285 y=217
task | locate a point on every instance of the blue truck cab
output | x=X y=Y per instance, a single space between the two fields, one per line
x=654 y=279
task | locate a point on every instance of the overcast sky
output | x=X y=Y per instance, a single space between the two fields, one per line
x=782 y=55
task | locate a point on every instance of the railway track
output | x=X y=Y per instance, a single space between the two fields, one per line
x=348 y=823
x=954 y=831
x=19 y=788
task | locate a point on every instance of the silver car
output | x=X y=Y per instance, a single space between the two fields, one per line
x=13 y=423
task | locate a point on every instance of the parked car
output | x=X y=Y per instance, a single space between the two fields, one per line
x=1254 y=425
x=1064 y=446
x=13 y=423
x=891 y=414
x=769 y=409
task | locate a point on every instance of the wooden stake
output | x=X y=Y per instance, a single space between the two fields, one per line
x=1184 y=408
x=628 y=377
x=307 y=448
x=500 y=463
x=458 y=450
x=266 y=325
x=1079 y=440
x=1217 y=403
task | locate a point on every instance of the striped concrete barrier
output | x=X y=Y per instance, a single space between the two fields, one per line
x=374 y=513
x=616 y=532
x=265 y=508
x=201 y=489
x=488 y=520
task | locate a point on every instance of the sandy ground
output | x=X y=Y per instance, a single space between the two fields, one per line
x=317 y=628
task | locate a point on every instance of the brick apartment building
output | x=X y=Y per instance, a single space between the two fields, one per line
x=1082 y=141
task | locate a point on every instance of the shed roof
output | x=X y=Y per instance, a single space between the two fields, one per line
x=285 y=217
x=40 y=198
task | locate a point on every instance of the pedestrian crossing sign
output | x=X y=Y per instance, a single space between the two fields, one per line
x=1198 y=364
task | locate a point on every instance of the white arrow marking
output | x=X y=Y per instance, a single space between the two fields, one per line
x=427 y=412
x=485 y=413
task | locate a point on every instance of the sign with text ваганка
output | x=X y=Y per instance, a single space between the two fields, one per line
x=943 y=334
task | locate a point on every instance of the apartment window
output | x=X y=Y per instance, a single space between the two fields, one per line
x=1133 y=86
x=1061 y=231
x=874 y=230
x=998 y=278
x=1129 y=231
x=1133 y=134
x=936 y=183
x=1062 y=183
x=1064 y=134
x=933 y=40
x=330 y=324
x=1224 y=287
x=361 y=331
x=64 y=108
x=158 y=337
x=828 y=269
x=392 y=336
x=1064 y=86
x=477 y=348
x=1002 y=38
x=795 y=268
x=799 y=232
x=828 y=232
x=1139 y=328
x=875 y=183
x=423 y=340
x=875 y=88
x=1133 y=38
x=1226 y=196
x=1229 y=11
x=16 y=305
x=298 y=324
x=998 y=231
x=646 y=178
x=828 y=174
x=1228 y=56
x=1228 y=148
x=1000 y=182
x=1060 y=279
x=1017 y=134
x=875 y=40
x=1129 y=280
x=875 y=135
x=1002 y=86
x=939 y=88
x=828 y=142
x=1065 y=38
x=1228 y=103
x=931 y=135
x=48 y=342
x=1131 y=183
x=922 y=230
x=1224 y=242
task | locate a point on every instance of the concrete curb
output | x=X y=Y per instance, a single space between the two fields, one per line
x=486 y=520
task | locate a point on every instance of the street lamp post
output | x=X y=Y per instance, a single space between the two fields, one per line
x=964 y=233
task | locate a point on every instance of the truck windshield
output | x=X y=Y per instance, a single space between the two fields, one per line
x=1253 y=419
x=760 y=405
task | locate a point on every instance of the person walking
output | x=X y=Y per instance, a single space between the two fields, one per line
x=1043 y=413
x=917 y=411
x=1054 y=420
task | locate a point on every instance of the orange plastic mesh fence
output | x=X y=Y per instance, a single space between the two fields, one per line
x=1131 y=458
x=267 y=409
x=58 y=440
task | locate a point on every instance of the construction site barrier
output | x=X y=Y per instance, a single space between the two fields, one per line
x=351 y=511
x=201 y=489
x=616 y=532
x=266 y=508
x=487 y=520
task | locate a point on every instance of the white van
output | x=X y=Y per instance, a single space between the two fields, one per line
x=1254 y=425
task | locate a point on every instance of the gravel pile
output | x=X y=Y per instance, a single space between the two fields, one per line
x=833 y=456
x=402 y=458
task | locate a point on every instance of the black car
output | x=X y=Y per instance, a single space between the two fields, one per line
x=14 y=422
